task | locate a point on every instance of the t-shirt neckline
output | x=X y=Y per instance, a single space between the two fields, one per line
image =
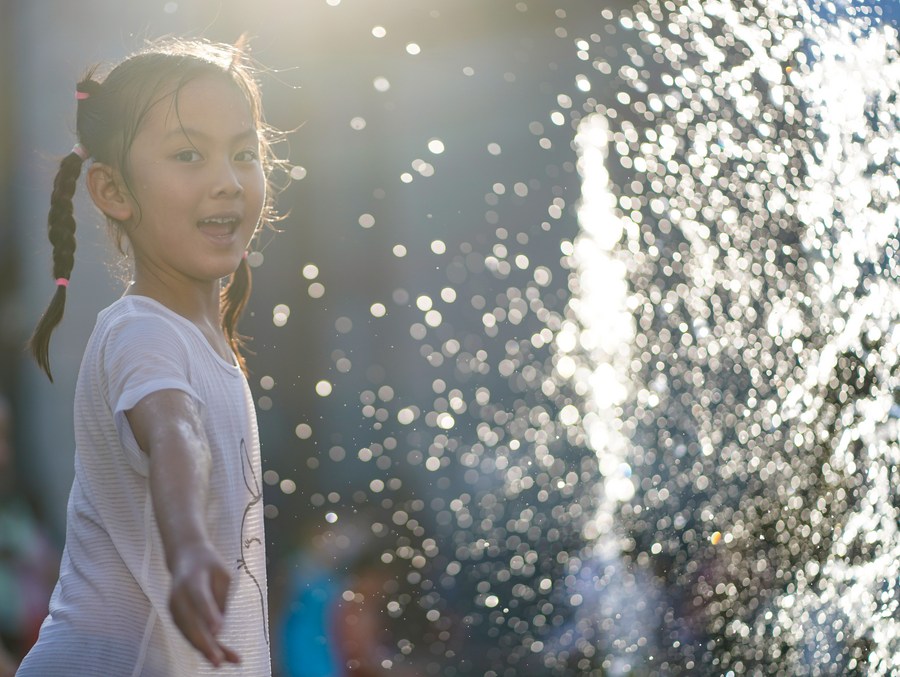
x=231 y=366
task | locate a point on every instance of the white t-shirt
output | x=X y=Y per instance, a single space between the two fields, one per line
x=109 y=612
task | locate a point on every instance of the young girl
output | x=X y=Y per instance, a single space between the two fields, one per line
x=164 y=570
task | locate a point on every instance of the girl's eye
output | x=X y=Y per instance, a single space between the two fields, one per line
x=247 y=156
x=187 y=156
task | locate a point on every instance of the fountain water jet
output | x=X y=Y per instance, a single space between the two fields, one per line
x=751 y=209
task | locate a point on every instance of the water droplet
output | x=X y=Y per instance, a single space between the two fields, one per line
x=280 y=315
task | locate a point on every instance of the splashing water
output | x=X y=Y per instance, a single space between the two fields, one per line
x=681 y=460
x=746 y=221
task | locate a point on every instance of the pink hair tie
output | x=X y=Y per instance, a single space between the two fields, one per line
x=81 y=96
x=81 y=152
x=62 y=282
x=246 y=254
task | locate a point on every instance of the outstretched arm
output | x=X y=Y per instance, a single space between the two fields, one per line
x=166 y=425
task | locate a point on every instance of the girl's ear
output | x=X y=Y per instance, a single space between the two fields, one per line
x=109 y=193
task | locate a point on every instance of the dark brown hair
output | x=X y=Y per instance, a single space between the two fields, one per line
x=110 y=113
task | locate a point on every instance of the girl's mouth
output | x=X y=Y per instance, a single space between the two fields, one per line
x=219 y=227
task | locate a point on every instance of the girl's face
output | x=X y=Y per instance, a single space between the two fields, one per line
x=197 y=183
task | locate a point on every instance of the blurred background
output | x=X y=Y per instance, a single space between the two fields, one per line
x=488 y=447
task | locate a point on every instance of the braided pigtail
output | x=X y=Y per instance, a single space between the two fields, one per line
x=61 y=231
x=234 y=299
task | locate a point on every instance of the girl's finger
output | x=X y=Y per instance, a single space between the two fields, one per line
x=204 y=604
x=197 y=617
x=199 y=635
x=229 y=654
x=208 y=646
x=215 y=652
x=221 y=582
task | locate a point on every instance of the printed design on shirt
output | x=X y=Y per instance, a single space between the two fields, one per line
x=249 y=543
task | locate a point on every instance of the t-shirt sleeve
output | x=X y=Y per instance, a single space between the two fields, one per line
x=143 y=354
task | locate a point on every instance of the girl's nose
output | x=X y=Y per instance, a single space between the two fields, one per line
x=227 y=181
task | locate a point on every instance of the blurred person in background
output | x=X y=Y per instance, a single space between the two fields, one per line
x=28 y=559
x=336 y=587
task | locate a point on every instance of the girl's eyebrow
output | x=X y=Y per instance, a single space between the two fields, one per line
x=188 y=133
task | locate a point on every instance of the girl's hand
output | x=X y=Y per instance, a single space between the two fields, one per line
x=200 y=582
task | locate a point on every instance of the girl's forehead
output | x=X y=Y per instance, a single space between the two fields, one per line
x=204 y=102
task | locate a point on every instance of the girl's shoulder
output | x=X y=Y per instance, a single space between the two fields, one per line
x=134 y=305
x=138 y=321
x=141 y=313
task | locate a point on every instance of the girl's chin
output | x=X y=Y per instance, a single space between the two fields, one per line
x=223 y=269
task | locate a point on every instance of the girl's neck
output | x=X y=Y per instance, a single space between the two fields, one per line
x=198 y=303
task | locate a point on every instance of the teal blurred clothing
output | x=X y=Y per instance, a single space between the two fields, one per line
x=307 y=626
